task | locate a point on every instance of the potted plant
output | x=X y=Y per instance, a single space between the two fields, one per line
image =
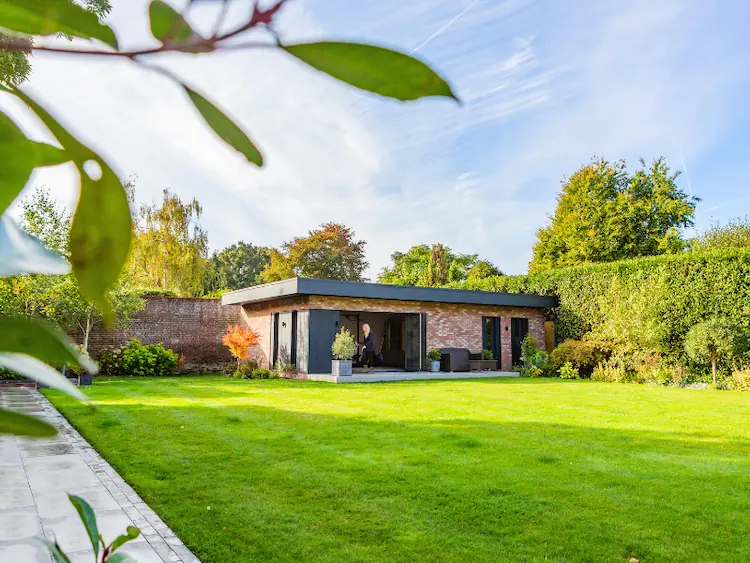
x=433 y=355
x=344 y=347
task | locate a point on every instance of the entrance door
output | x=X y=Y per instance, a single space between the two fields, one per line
x=285 y=337
x=415 y=329
x=491 y=335
x=519 y=328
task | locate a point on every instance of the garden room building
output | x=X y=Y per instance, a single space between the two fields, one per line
x=298 y=319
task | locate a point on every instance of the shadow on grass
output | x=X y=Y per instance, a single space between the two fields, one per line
x=283 y=484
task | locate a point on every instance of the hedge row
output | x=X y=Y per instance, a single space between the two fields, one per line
x=646 y=302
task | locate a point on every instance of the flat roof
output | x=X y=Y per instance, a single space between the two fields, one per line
x=334 y=288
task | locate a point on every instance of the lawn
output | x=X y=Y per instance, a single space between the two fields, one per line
x=474 y=470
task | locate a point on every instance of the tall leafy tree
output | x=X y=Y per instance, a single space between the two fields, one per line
x=329 y=252
x=170 y=248
x=427 y=266
x=57 y=299
x=235 y=267
x=483 y=269
x=604 y=214
x=46 y=220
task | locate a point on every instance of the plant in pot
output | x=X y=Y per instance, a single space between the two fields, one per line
x=344 y=347
x=433 y=355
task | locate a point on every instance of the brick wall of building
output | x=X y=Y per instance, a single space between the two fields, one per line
x=191 y=327
x=448 y=325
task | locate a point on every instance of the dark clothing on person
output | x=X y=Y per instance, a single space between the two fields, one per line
x=369 y=343
x=368 y=358
x=368 y=354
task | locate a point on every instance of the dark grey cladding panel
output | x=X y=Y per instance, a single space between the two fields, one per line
x=332 y=288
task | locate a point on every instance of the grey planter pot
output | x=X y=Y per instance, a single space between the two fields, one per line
x=341 y=367
x=435 y=366
x=85 y=379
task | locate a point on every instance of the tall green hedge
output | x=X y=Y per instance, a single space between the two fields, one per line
x=647 y=302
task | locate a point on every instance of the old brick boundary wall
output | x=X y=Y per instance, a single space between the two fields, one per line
x=192 y=327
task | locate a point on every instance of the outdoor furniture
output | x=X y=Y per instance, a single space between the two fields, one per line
x=454 y=359
x=483 y=365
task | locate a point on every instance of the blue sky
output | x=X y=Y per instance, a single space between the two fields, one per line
x=546 y=85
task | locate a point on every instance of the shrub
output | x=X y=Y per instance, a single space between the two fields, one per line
x=662 y=296
x=567 y=371
x=535 y=362
x=582 y=354
x=740 y=380
x=138 y=360
x=109 y=360
x=433 y=354
x=246 y=369
x=487 y=355
x=344 y=346
x=239 y=339
x=262 y=373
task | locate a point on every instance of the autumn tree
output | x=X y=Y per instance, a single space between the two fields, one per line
x=427 y=266
x=170 y=248
x=330 y=252
x=235 y=267
x=239 y=339
x=604 y=214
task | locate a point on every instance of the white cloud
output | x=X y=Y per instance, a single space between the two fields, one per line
x=545 y=87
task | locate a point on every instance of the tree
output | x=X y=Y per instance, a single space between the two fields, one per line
x=43 y=218
x=713 y=339
x=239 y=339
x=482 y=270
x=734 y=234
x=330 y=252
x=14 y=64
x=57 y=299
x=235 y=267
x=427 y=266
x=169 y=248
x=605 y=214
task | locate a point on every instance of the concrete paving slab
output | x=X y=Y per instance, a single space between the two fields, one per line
x=35 y=477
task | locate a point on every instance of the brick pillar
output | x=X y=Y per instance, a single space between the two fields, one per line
x=506 y=354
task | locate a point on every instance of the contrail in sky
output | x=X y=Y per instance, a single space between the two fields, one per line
x=445 y=27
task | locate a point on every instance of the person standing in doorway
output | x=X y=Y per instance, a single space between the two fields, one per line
x=368 y=350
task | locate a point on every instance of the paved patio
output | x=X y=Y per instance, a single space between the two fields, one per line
x=35 y=476
x=382 y=376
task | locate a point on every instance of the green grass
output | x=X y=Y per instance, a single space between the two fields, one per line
x=480 y=470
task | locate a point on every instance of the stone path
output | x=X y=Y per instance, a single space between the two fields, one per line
x=35 y=476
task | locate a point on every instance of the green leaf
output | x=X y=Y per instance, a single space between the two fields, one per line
x=40 y=372
x=121 y=558
x=20 y=156
x=50 y=17
x=102 y=229
x=88 y=518
x=24 y=425
x=49 y=155
x=22 y=335
x=167 y=24
x=225 y=128
x=131 y=533
x=21 y=253
x=375 y=69
x=54 y=550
